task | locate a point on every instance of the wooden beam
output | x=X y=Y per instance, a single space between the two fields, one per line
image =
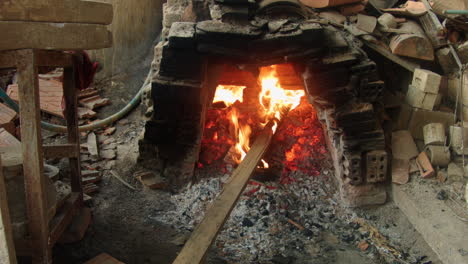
x=71 y=11
x=53 y=36
x=60 y=151
x=7 y=246
x=205 y=234
x=31 y=142
x=44 y=58
x=71 y=116
x=410 y=66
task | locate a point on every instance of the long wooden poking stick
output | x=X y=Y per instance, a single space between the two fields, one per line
x=205 y=234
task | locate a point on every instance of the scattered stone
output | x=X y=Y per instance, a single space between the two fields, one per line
x=108 y=154
x=92 y=145
x=442 y=195
x=454 y=172
x=151 y=180
x=109 y=131
x=363 y=245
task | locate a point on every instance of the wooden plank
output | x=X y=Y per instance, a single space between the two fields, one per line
x=410 y=66
x=7 y=246
x=53 y=36
x=31 y=141
x=103 y=259
x=60 y=151
x=64 y=217
x=205 y=234
x=70 y=11
x=71 y=116
x=414 y=44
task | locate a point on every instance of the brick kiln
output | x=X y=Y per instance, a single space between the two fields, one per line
x=207 y=44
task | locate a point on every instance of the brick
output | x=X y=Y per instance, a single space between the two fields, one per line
x=417 y=98
x=426 y=81
x=181 y=35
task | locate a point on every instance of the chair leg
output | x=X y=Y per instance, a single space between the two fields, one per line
x=71 y=116
x=33 y=163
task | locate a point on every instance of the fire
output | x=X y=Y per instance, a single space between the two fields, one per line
x=274 y=99
x=229 y=94
x=274 y=103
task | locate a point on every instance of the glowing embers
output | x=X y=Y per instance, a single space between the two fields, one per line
x=229 y=94
x=247 y=109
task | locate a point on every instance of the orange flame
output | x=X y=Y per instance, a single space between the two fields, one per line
x=273 y=99
x=228 y=94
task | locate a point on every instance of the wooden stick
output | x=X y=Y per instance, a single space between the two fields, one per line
x=205 y=234
x=121 y=180
x=7 y=246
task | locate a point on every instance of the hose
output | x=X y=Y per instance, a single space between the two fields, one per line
x=101 y=123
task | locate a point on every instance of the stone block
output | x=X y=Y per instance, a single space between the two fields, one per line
x=446 y=60
x=421 y=117
x=172 y=14
x=459 y=139
x=417 y=98
x=426 y=81
x=182 y=35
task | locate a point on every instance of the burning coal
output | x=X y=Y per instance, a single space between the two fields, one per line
x=228 y=131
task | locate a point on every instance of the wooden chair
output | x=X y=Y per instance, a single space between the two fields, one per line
x=34 y=34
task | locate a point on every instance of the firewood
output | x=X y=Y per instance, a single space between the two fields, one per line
x=415 y=45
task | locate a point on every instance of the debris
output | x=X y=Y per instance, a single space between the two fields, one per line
x=85 y=113
x=108 y=154
x=403 y=146
x=426 y=81
x=92 y=144
x=8 y=140
x=300 y=227
x=421 y=117
x=424 y=165
x=387 y=20
x=109 y=131
x=326 y=3
x=438 y=155
x=412 y=9
x=333 y=16
x=442 y=195
x=90 y=188
x=400 y=171
x=151 y=180
x=434 y=134
x=103 y=259
x=456 y=139
x=366 y=23
x=417 y=98
x=363 y=245
x=7 y=118
x=94 y=102
x=121 y=180
x=414 y=44
x=454 y=172
x=442 y=176
x=50 y=94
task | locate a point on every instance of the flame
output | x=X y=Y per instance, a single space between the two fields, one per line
x=228 y=94
x=242 y=134
x=274 y=102
x=274 y=99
